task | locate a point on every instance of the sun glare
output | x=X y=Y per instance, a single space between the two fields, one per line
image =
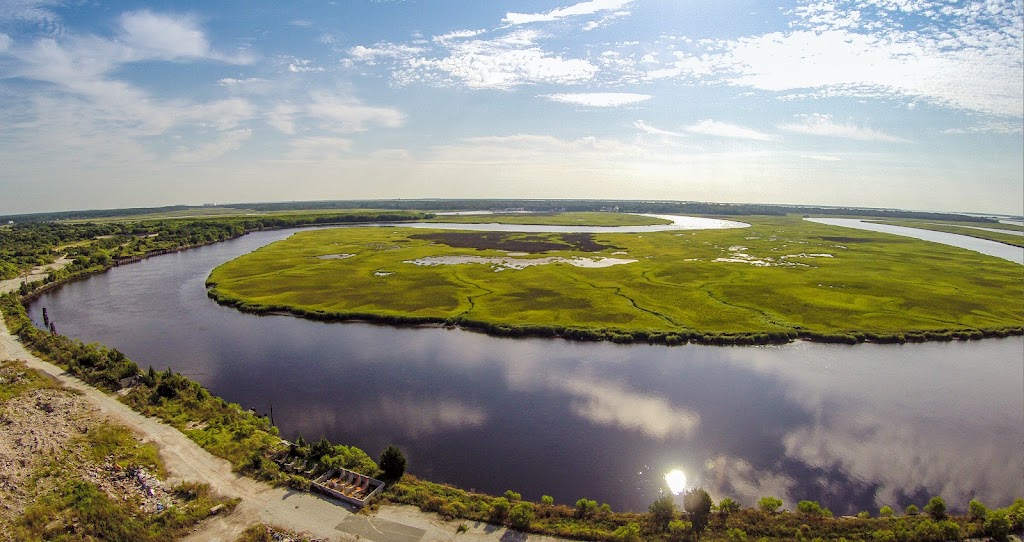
x=676 y=480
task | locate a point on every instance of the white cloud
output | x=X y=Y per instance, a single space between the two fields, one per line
x=724 y=129
x=648 y=129
x=823 y=157
x=39 y=12
x=990 y=127
x=823 y=125
x=500 y=63
x=599 y=99
x=169 y=37
x=963 y=57
x=589 y=7
x=302 y=65
x=457 y=35
x=346 y=114
x=385 y=50
x=5 y=42
x=225 y=143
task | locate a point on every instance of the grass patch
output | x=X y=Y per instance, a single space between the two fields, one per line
x=780 y=279
x=556 y=219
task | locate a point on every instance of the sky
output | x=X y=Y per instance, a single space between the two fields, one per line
x=914 y=104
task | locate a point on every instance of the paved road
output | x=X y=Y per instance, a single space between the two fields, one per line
x=261 y=503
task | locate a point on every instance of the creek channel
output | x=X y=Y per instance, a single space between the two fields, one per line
x=853 y=427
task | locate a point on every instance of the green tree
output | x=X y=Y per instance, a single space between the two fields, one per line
x=770 y=505
x=886 y=511
x=912 y=510
x=728 y=506
x=499 y=508
x=997 y=525
x=810 y=508
x=521 y=515
x=936 y=508
x=976 y=510
x=392 y=462
x=662 y=511
x=698 y=503
x=512 y=496
x=585 y=507
x=547 y=500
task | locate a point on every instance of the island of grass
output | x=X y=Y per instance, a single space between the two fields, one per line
x=587 y=218
x=780 y=279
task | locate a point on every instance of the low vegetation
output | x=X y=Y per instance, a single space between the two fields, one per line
x=585 y=218
x=781 y=279
x=75 y=477
x=700 y=518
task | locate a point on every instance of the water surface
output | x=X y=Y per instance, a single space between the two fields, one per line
x=983 y=246
x=854 y=427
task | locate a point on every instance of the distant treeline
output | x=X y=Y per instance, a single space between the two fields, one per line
x=625 y=206
x=95 y=247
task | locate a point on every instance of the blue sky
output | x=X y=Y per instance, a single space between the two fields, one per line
x=886 y=103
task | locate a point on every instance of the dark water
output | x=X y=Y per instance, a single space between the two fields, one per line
x=854 y=427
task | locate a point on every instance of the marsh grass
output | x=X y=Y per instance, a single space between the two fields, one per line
x=557 y=219
x=813 y=283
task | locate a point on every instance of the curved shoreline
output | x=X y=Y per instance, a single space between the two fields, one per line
x=667 y=338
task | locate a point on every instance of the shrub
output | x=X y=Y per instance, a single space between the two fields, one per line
x=662 y=511
x=770 y=505
x=547 y=500
x=499 y=509
x=886 y=511
x=912 y=510
x=997 y=525
x=585 y=508
x=392 y=462
x=936 y=508
x=629 y=532
x=736 y=535
x=697 y=503
x=512 y=496
x=728 y=506
x=521 y=515
x=976 y=510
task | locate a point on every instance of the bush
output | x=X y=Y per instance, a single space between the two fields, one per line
x=728 y=506
x=662 y=511
x=976 y=510
x=547 y=500
x=512 y=496
x=499 y=509
x=697 y=503
x=912 y=510
x=997 y=525
x=886 y=511
x=392 y=462
x=736 y=535
x=521 y=515
x=629 y=532
x=936 y=508
x=585 y=508
x=770 y=505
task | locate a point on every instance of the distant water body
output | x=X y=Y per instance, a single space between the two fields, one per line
x=984 y=246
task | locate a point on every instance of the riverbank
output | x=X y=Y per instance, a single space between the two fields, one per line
x=431 y=493
x=779 y=280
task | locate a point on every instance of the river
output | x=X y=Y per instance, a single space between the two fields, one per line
x=854 y=427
